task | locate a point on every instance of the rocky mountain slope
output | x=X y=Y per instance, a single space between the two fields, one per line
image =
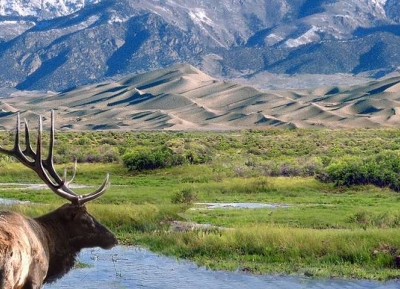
x=57 y=45
x=182 y=97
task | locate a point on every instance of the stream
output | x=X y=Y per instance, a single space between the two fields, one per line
x=135 y=267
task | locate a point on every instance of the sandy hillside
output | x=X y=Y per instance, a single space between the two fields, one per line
x=183 y=98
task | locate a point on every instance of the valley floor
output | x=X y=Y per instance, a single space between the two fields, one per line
x=321 y=229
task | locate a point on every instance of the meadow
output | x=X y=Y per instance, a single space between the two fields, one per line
x=338 y=211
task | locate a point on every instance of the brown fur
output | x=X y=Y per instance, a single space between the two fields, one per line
x=34 y=251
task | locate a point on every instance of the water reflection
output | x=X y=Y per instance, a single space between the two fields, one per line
x=133 y=267
x=212 y=206
x=9 y=202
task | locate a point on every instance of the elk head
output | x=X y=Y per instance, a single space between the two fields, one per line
x=79 y=227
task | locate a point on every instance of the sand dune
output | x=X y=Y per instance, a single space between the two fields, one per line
x=183 y=98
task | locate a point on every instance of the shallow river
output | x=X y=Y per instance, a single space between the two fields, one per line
x=133 y=267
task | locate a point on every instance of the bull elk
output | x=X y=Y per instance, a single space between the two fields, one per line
x=34 y=251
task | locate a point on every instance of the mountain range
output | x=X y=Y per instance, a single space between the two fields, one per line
x=181 y=97
x=57 y=45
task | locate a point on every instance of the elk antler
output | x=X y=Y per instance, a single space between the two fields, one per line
x=44 y=168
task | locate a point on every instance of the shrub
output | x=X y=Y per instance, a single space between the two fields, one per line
x=196 y=157
x=185 y=196
x=382 y=170
x=148 y=159
x=192 y=151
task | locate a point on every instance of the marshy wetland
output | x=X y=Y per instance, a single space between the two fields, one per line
x=336 y=210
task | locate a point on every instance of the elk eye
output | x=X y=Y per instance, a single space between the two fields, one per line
x=87 y=223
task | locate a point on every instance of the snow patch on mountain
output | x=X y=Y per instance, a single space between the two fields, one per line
x=379 y=7
x=200 y=17
x=308 y=37
x=43 y=9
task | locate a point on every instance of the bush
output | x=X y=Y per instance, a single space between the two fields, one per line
x=382 y=170
x=191 y=151
x=185 y=196
x=149 y=159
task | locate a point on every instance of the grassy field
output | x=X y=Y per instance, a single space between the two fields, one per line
x=325 y=229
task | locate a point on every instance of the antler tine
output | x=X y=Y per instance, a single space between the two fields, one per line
x=16 y=150
x=16 y=143
x=67 y=183
x=97 y=193
x=45 y=168
x=28 y=150
x=8 y=152
x=38 y=156
x=49 y=162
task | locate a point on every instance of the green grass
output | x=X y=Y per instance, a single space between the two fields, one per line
x=326 y=230
x=263 y=248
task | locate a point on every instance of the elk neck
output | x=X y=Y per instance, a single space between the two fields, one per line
x=61 y=253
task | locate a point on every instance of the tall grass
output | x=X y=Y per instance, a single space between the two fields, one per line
x=271 y=249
